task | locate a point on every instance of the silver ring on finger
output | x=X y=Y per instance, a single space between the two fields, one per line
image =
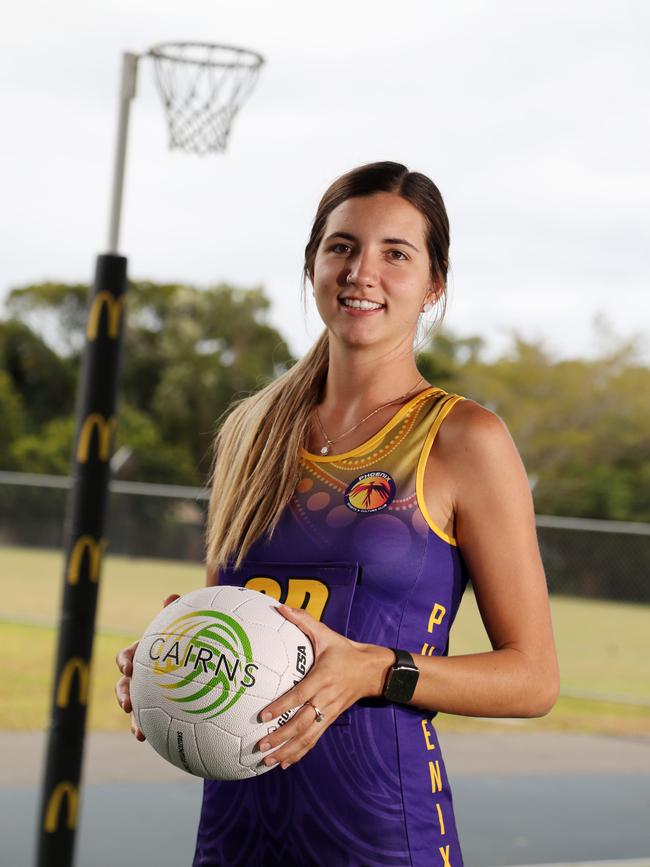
x=319 y=716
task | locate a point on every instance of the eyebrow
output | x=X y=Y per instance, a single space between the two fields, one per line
x=349 y=237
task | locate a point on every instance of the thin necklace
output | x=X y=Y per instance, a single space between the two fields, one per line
x=326 y=448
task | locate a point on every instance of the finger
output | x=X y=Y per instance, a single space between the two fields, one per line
x=297 y=725
x=124 y=659
x=123 y=695
x=317 y=632
x=169 y=599
x=323 y=680
x=309 y=686
x=299 y=745
x=139 y=734
x=299 y=748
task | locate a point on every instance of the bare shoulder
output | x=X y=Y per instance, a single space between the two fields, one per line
x=472 y=428
x=473 y=468
x=474 y=443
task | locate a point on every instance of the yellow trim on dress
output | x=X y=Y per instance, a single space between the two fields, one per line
x=447 y=404
x=368 y=444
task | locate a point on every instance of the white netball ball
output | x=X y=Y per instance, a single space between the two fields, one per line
x=205 y=668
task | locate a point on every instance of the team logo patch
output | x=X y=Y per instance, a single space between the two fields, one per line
x=370 y=492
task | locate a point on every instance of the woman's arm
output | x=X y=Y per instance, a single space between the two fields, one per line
x=495 y=531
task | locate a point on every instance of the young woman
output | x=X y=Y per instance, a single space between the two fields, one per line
x=364 y=498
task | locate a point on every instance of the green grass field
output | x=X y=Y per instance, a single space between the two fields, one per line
x=603 y=646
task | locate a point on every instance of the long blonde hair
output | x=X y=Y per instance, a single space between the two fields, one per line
x=257 y=449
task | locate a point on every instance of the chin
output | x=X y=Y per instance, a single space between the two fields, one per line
x=358 y=341
x=369 y=337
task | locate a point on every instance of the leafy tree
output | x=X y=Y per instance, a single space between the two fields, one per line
x=58 y=309
x=187 y=352
x=445 y=356
x=154 y=459
x=44 y=380
x=12 y=419
x=48 y=451
x=581 y=425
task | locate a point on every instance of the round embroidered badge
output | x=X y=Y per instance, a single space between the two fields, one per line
x=370 y=492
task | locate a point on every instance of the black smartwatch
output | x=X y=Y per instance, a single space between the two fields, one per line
x=402 y=677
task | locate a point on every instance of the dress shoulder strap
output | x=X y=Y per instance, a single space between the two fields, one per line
x=441 y=411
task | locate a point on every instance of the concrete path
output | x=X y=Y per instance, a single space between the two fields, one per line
x=520 y=799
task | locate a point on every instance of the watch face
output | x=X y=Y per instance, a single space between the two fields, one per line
x=401 y=684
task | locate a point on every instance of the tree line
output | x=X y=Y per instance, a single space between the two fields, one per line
x=581 y=425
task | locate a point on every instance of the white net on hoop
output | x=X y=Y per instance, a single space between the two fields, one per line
x=203 y=87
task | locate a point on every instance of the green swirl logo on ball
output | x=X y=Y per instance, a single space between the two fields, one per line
x=204 y=643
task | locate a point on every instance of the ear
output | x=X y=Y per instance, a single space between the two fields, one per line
x=434 y=292
x=440 y=287
x=429 y=299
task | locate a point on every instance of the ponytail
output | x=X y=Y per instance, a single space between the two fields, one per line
x=256 y=463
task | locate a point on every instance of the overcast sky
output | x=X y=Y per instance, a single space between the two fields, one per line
x=531 y=117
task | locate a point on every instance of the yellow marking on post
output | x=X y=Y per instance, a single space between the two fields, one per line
x=441 y=821
x=65 y=789
x=105 y=428
x=437 y=613
x=73 y=666
x=115 y=308
x=427 y=735
x=436 y=778
x=94 y=548
x=310 y=591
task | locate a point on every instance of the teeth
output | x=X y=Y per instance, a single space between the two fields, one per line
x=362 y=305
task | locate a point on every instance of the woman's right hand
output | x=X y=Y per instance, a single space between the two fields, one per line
x=124 y=661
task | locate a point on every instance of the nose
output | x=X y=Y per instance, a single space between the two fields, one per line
x=363 y=271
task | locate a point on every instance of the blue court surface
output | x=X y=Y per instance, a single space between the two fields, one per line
x=520 y=799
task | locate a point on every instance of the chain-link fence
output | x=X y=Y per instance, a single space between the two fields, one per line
x=596 y=559
x=582 y=557
x=144 y=520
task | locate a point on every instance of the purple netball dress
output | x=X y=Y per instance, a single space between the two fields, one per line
x=356 y=547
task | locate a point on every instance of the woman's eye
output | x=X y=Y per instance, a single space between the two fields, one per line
x=339 y=248
x=397 y=254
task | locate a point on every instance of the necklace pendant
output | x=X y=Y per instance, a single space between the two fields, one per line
x=325 y=450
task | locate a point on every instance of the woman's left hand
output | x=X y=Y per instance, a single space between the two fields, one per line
x=343 y=672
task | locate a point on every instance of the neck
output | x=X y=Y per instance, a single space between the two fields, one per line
x=357 y=384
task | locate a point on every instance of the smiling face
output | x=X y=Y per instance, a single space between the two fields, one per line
x=372 y=272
